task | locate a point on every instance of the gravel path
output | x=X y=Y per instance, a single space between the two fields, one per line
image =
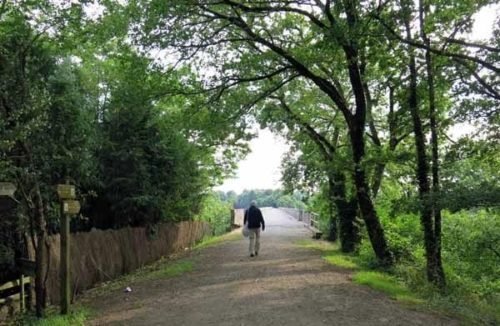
x=284 y=285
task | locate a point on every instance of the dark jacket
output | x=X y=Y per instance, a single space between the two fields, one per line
x=254 y=217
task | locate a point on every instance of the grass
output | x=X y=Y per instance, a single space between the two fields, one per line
x=332 y=254
x=215 y=240
x=77 y=317
x=387 y=284
x=172 y=270
x=341 y=261
x=363 y=275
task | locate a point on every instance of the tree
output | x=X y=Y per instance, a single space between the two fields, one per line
x=315 y=130
x=44 y=132
x=434 y=26
x=242 y=32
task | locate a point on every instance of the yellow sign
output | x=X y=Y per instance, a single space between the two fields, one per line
x=66 y=191
x=71 y=207
x=7 y=189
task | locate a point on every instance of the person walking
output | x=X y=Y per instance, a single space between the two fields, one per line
x=255 y=220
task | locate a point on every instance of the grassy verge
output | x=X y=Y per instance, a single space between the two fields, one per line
x=212 y=241
x=77 y=317
x=387 y=284
x=418 y=294
x=362 y=274
x=332 y=254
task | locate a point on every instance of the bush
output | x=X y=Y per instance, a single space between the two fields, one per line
x=471 y=252
x=217 y=213
x=470 y=248
x=404 y=236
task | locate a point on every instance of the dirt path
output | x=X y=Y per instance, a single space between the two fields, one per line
x=284 y=285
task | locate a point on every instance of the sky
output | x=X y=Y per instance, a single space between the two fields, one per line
x=261 y=168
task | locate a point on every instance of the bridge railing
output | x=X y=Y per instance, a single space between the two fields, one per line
x=301 y=215
x=237 y=216
x=310 y=219
x=314 y=220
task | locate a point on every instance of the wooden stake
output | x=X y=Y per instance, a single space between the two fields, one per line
x=65 y=262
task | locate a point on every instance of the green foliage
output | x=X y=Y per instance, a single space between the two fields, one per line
x=471 y=251
x=404 y=236
x=470 y=174
x=470 y=254
x=79 y=103
x=217 y=213
x=319 y=203
x=77 y=317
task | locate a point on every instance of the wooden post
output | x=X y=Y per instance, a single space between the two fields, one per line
x=22 y=293
x=69 y=206
x=65 y=261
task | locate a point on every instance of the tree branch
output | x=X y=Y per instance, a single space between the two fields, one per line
x=472 y=45
x=267 y=9
x=490 y=90
x=325 y=146
x=322 y=83
x=436 y=51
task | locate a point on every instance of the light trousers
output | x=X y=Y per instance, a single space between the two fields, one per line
x=254 y=241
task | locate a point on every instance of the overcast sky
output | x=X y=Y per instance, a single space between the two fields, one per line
x=261 y=168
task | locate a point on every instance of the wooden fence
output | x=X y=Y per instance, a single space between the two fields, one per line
x=15 y=293
x=102 y=255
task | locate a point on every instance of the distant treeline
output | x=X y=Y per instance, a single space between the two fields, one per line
x=264 y=198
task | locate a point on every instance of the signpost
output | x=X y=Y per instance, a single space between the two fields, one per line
x=69 y=206
x=7 y=189
x=7 y=201
x=65 y=191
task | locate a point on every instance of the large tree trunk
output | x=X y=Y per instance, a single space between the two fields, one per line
x=333 y=209
x=373 y=226
x=339 y=205
x=346 y=210
x=434 y=268
x=356 y=125
x=438 y=272
x=40 y=253
x=378 y=175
